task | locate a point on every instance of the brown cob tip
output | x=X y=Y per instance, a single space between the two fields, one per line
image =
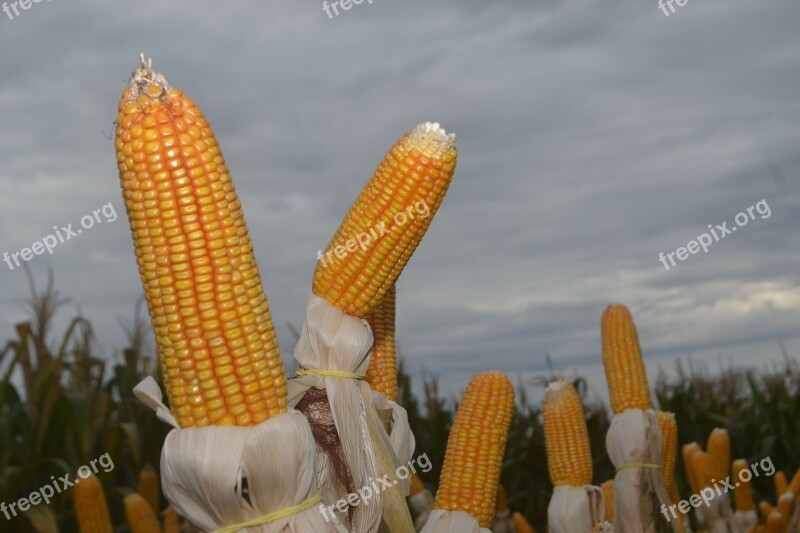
x=145 y=81
x=431 y=139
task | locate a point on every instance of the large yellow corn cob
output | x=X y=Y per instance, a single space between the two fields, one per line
x=781 y=482
x=569 y=457
x=216 y=344
x=382 y=371
x=688 y=451
x=475 y=448
x=669 y=440
x=148 y=486
x=622 y=359
x=608 y=499
x=91 y=508
x=140 y=515
x=743 y=491
x=384 y=226
x=718 y=454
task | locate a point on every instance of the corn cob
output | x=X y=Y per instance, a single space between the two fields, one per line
x=794 y=486
x=475 y=448
x=781 y=483
x=699 y=462
x=785 y=506
x=718 y=454
x=171 y=521
x=216 y=344
x=765 y=508
x=622 y=359
x=417 y=485
x=502 y=499
x=608 y=499
x=384 y=226
x=775 y=522
x=522 y=524
x=91 y=509
x=569 y=457
x=382 y=371
x=743 y=492
x=148 y=486
x=140 y=515
x=669 y=439
x=688 y=451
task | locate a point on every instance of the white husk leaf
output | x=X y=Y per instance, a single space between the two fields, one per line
x=742 y=521
x=421 y=504
x=719 y=513
x=502 y=523
x=202 y=469
x=575 y=509
x=452 y=522
x=333 y=340
x=401 y=437
x=635 y=438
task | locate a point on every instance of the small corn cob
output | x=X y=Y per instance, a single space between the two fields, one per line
x=217 y=348
x=475 y=448
x=775 y=522
x=718 y=453
x=669 y=439
x=688 y=451
x=743 y=492
x=765 y=508
x=608 y=499
x=785 y=506
x=699 y=463
x=386 y=223
x=417 y=485
x=522 y=524
x=794 y=486
x=569 y=457
x=781 y=483
x=622 y=359
x=502 y=499
x=140 y=516
x=148 y=486
x=91 y=508
x=382 y=371
x=171 y=521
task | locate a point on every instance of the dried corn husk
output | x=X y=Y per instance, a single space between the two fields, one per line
x=203 y=471
x=452 y=522
x=719 y=513
x=633 y=441
x=421 y=504
x=502 y=523
x=331 y=340
x=575 y=509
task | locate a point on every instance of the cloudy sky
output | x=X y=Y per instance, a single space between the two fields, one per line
x=592 y=137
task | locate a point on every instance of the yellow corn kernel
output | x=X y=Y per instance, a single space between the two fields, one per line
x=743 y=492
x=718 y=453
x=475 y=448
x=140 y=516
x=417 y=485
x=387 y=221
x=622 y=359
x=608 y=498
x=148 y=486
x=216 y=344
x=91 y=509
x=382 y=371
x=522 y=524
x=781 y=483
x=569 y=457
x=794 y=486
x=171 y=521
x=669 y=451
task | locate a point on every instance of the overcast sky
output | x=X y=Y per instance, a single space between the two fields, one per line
x=592 y=136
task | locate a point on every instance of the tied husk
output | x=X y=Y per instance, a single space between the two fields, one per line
x=218 y=476
x=441 y=521
x=575 y=509
x=332 y=340
x=421 y=505
x=400 y=435
x=743 y=521
x=634 y=438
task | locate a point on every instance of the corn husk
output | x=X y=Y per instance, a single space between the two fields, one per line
x=502 y=523
x=400 y=435
x=441 y=521
x=203 y=470
x=575 y=509
x=719 y=513
x=333 y=340
x=634 y=438
x=421 y=504
x=743 y=521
